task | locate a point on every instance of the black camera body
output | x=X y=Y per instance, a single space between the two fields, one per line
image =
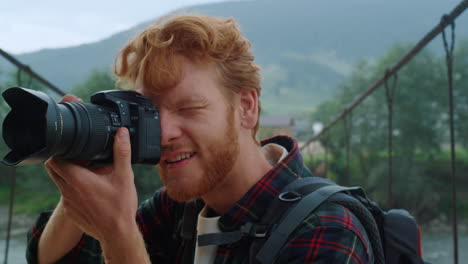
x=132 y=110
x=37 y=128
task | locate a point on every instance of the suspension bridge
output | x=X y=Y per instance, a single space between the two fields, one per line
x=388 y=81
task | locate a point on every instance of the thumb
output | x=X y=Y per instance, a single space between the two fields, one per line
x=122 y=151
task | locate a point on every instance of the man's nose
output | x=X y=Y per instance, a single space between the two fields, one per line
x=170 y=128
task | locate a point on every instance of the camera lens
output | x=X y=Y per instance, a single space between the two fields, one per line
x=85 y=133
x=37 y=128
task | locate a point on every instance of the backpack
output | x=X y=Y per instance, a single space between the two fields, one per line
x=394 y=235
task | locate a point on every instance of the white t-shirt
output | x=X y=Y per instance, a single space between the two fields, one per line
x=274 y=153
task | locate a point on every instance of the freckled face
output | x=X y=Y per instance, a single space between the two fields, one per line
x=200 y=141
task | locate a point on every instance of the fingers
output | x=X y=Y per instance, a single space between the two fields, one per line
x=67 y=175
x=71 y=98
x=62 y=185
x=122 y=155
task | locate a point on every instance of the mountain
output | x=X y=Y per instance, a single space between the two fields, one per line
x=305 y=47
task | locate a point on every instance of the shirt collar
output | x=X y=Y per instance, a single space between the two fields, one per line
x=274 y=153
x=252 y=206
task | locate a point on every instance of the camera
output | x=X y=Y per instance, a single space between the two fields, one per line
x=37 y=128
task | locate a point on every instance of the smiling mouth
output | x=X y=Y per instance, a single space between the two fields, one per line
x=180 y=158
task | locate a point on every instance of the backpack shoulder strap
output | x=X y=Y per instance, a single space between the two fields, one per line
x=280 y=206
x=308 y=203
x=258 y=232
x=188 y=230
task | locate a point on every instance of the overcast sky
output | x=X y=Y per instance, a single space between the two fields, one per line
x=28 y=25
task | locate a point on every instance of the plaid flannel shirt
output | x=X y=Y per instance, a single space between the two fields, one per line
x=331 y=234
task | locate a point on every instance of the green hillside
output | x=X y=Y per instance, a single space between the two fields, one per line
x=306 y=48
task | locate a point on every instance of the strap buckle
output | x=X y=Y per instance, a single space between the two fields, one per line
x=254 y=230
x=290 y=196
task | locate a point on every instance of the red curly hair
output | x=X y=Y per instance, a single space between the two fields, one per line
x=153 y=56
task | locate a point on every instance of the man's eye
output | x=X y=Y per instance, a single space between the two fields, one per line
x=190 y=108
x=185 y=109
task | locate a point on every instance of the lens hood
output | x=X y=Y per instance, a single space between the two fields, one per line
x=25 y=129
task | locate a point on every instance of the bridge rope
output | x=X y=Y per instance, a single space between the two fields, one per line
x=456 y=12
x=348 y=125
x=447 y=20
x=12 y=169
x=31 y=73
x=449 y=64
x=346 y=114
x=22 y=69
x=389 y=94
x=10 y=211
x=326 y=156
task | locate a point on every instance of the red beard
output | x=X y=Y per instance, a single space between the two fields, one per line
x=223 y=151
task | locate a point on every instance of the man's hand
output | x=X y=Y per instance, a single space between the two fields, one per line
x=98 y=200
x=102 y=202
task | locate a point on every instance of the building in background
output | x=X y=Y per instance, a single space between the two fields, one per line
x=276 y=125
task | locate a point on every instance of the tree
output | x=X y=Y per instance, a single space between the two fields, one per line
x=97 y=81
x=417 y=125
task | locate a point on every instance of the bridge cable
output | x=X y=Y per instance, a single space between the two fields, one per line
x=389 y=94
x=10 y=211
x=457 y=11
x=19 y=81
x=347 y=122
x=32 y=73
x=449 y=64
x=326 y=155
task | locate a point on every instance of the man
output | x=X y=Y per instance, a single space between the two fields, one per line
x=199 y=72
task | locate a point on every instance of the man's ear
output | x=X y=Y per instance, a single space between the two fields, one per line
x=248 y=106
